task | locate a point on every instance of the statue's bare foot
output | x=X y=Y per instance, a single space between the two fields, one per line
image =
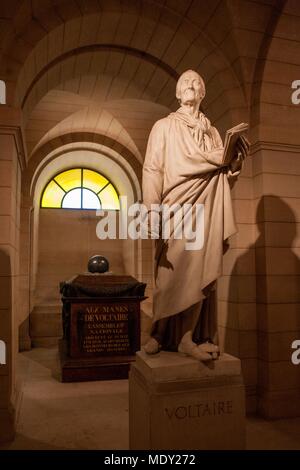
x=209 y=347
x=191 y=349
x=152 y=346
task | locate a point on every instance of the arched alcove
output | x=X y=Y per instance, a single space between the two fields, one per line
x=64 y=239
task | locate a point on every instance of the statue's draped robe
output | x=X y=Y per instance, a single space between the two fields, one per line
x=183 y=165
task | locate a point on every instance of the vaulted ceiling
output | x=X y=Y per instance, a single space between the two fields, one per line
x=109 y=68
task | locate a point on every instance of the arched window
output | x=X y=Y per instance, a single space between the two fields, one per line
x=80 y=188
x=2 y=92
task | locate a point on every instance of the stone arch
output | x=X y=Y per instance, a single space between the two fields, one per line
x=91 y=117
x=94 y=49
x=78 y=139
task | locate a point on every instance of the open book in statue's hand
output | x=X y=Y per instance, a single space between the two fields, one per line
x=231 y=138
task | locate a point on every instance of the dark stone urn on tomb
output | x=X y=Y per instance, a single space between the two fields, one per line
x=101 y=323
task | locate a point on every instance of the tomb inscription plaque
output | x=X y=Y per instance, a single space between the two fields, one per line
x=101 y=322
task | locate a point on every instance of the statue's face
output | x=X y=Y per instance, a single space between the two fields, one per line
x=190 y=88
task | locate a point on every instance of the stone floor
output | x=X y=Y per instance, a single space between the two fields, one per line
x=94 y=415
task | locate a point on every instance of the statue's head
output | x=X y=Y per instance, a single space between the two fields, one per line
x=190 y=88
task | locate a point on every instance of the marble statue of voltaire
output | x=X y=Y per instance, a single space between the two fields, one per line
x=183 y=164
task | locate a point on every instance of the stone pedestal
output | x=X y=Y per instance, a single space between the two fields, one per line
x=176 y=402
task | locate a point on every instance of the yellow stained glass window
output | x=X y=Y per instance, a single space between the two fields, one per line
x=93 y=180
x=69 y=179
x=53 y=195
x=80 y=188
x=109 y=198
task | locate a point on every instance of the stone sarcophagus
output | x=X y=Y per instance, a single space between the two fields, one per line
x=101 y=324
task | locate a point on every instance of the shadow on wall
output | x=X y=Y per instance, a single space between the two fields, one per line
x=274 y=285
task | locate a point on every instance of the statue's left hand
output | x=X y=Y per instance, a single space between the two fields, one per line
x=242 y=150
x=242 y=146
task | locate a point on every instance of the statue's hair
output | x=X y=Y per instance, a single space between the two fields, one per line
x=178 y=85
